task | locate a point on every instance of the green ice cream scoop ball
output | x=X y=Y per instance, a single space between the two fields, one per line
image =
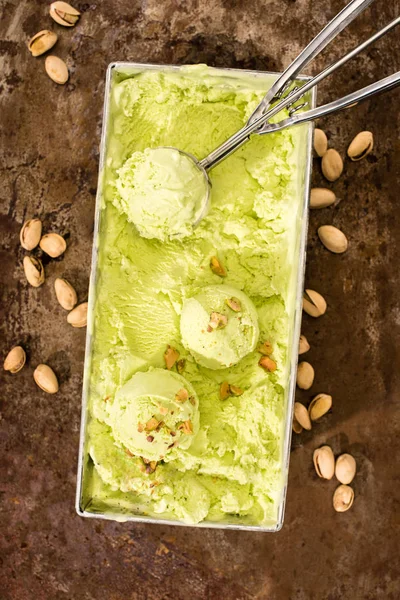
x=153 y=412
x=163 y=192
x=219 y=326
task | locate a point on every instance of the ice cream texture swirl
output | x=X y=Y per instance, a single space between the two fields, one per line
x=231 y=471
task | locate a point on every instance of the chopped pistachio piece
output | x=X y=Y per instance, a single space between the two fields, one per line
x=171 y=355
x=180 y=365
x=182 y=395
x=217 y=321
x=217 y=267
x=234 y=304
x=151 y=424
x=265 y=348
x=267 y=363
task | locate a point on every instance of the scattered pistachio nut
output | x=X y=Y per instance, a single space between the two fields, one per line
x=224 y=390
x=313 y=303
x=15 y=359
x=345 y=468
x=320 y=142
x=234 y=304
x=304 y=346
x=42 y=42
x=182 y=395
x=324 y=462
x=265 y=348
x=297 y=428
x=151 y=424
x=343 y=498
x=56 y=69
x=171 y=355
x=217 y=321
x=186 y=427
x=30 y=234
x=319 y=406
x=53 y=244
x=66 y=295
x=64 y=14
x=333 y=239
x=321 y=198
x=78 y=316
x=34 y=271
x=332 y=165
x=301 y=416
x=267 y=364
x=46 y=379
x=235 y=390
x=217 y=267
x=180 y=365
x=362 y=145
x=305 y=375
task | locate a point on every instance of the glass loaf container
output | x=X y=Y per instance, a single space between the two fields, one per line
x=89 y=502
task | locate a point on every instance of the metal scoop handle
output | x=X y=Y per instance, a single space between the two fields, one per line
x=328 y=33
x=243 y=135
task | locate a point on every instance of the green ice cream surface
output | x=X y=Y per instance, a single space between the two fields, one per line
x=162 y=192
x=148 y=291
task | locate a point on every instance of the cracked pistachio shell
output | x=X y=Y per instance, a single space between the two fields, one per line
x=34 y=271
x=320 y=142
x=46 y=379
x=56 y=69
x=301 y=416
x=304 y=346
x=42 y=42
x=319 y=406
x=362 y=145
x=15 y=359
x=78 y=316
x=297 y=428
x=321 y=198
x=313 y=303
x=30 y=234
x=66 y=295
x=332 y=165
x=324 y=462
x=343 y=498
x=345 y=468
x=333 y=239
x=53 y=244
x=64 y=14
x=305 y=375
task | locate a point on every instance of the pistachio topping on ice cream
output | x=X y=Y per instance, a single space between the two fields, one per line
x=217 y=335
x=162 y=192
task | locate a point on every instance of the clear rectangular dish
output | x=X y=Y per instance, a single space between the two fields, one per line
x=95 y=498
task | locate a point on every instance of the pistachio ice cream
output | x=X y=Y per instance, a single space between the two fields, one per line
x=169 y=329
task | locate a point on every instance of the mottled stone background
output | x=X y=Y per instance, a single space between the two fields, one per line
x=49 y=157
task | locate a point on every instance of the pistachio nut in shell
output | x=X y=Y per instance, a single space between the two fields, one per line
x=321 y=198
x=332 y=165
x=301 y=416
x=305 y=375
x=30 y=234
x=78 y=316
x=53 y=244
x=46 y=379
x=313 y=303
x=345 y=468
x=34 y=271
x=42 y=42
x=333 y=239
x=362 y=145
x=56 y=69
x=304 y=346
x=319 y=406
x=64 y=14
x=15 y=359
x=324 y=462
x=297 y=428
x=320 y=142
x=343 y=498
x=66 y=295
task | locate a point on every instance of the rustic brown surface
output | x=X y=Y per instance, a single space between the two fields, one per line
x=49 y=148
